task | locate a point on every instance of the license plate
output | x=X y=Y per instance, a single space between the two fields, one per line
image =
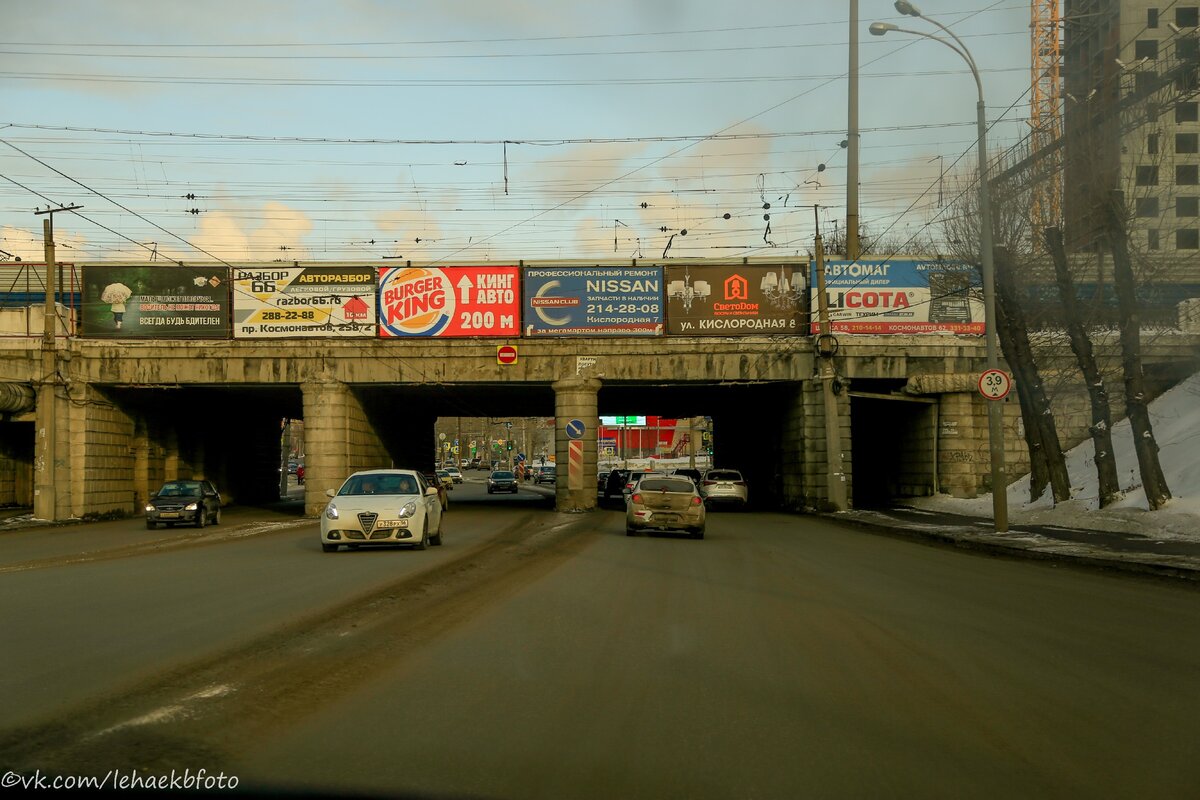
x=169 y=515
x=392 y=523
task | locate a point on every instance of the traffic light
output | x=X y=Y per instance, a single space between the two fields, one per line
x=508 y=445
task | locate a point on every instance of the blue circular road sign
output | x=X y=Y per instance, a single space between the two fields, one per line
x=575 y=429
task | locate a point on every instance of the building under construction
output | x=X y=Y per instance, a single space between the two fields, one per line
x=1131 y=122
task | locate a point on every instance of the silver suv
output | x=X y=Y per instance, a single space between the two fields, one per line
x=723 y=486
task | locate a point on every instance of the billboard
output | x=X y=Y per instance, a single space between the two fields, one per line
x=155 y=302
x=902 y=296
x=736 y=300
x=274 y=302
x=449 y=301
x=593 y=301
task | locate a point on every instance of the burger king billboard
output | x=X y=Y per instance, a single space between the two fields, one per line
x=449 y=301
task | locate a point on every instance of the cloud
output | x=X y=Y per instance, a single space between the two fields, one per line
x=280 y=235
x=572 y=170
x=22 y=244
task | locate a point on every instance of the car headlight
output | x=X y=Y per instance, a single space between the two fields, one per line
x=331 y=511
x=150 y=507
x=409 y=509
x=191 y=506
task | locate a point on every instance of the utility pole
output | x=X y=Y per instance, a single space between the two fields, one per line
x=691 y=442
x=852 y=246
x=45 y=494
x=826 y=346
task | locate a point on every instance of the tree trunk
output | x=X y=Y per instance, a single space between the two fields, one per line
x=1081 y=346
x=1136 y=403
x=1025 y=371
x=1039 y=471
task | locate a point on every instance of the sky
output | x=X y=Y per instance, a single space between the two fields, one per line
x=467 y=131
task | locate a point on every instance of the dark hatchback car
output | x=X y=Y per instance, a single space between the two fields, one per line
x=184 y=503
x=502 y=480
x=615 y=486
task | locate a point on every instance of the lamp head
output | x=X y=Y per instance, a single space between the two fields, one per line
x=906 y=8
x=880 y=28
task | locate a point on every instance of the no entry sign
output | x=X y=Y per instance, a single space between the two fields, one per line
x=506 y=354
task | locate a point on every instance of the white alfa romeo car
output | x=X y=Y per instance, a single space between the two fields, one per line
x=382 y=507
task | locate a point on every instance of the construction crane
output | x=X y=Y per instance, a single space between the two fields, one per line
x=1045 y=110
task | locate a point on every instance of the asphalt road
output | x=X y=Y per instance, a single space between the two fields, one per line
x=547 y=655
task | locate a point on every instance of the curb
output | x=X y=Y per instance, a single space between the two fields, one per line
x=1135 y=564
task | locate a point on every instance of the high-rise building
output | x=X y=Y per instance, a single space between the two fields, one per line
x=1131 y=121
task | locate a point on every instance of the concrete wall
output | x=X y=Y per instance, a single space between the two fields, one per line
x=809 y=450
x=102 y=472
x=962 y=444
x=339 y=440
x=792 y=452
x=917 y=441
x=31 y=321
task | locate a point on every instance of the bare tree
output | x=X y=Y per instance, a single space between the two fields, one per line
x=1035 y=403
x=1010 y=217
x=1136 y=401
x=1081 y=346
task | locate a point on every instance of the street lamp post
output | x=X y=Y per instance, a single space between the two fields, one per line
x=995 y=410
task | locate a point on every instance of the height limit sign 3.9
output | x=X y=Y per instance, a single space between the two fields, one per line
x=995 y=384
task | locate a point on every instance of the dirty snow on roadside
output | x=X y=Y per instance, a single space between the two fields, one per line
x=1175 y=417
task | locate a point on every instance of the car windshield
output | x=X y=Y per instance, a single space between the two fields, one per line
x=723 y=475
x=179 y=490
x=379 y=484
x=502 y=475
x=666 y=485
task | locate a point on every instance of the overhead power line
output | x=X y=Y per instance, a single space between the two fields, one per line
x=457 y=56
x=840 y=23
x=456 y=83
x=238 y=137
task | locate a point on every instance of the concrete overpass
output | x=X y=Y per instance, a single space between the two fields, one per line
x=130 y=413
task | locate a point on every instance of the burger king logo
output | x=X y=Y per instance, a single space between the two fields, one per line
x=415 y=301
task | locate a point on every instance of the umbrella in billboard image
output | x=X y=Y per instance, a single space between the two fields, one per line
x=115 y=294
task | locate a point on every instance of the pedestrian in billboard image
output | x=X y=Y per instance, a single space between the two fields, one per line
x=115 y=294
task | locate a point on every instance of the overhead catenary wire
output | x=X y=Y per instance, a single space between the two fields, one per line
x=684 y=209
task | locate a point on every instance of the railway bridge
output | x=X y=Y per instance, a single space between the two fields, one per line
x=90 y=427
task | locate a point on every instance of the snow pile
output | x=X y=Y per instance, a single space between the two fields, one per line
x=1175 y=417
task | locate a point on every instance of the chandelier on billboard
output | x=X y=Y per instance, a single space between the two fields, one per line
x=783 y=291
